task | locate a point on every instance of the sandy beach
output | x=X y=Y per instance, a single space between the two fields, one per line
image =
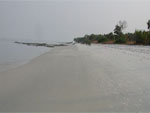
x=80 y=78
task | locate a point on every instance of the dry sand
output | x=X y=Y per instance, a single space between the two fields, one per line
x=80 y=79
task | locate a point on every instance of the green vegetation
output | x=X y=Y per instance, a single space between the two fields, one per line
x=102 y=39
x=118 y=37
x=121 y=40
x=83 y=40
x=142 y=37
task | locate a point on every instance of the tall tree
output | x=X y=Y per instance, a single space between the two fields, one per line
x=148 y=24
x=120 y=27
x=118 y=30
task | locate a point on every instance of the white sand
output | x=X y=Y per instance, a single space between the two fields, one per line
x=80 y=79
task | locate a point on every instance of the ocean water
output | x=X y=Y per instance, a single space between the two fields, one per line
x=13 y=55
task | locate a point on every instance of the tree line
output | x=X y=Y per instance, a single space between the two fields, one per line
x=118 y=37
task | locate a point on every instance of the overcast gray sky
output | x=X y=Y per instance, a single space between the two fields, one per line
x=62 y=20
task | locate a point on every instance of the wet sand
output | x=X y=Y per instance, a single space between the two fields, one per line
x=80 y=78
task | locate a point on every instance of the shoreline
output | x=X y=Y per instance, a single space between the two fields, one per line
x=9 y=66
x=19 y=59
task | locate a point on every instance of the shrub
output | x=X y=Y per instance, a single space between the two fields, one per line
x=140 y=37
x=148 y=38
x=92 y=37
x=102 y=39
x=121 y=40
x=88 y=42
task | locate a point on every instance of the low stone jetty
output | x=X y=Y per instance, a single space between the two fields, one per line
x=45 y=44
